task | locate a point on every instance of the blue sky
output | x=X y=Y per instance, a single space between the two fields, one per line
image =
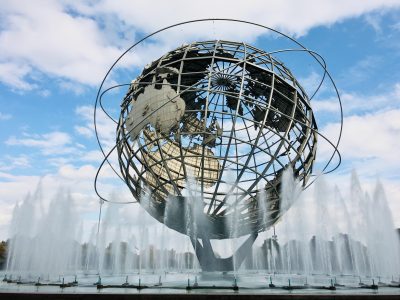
x=54 y=55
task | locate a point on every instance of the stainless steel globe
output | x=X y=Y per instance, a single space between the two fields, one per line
x=206 y=130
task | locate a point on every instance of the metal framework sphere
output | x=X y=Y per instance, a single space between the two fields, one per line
x=211 y=126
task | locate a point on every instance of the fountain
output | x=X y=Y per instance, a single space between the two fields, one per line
x=307 y=252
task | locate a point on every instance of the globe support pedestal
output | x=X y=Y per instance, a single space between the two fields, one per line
x=209 y=262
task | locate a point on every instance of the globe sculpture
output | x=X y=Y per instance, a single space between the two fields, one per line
x=204 y=135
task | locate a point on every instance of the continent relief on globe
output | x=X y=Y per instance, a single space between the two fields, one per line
x=161 y=108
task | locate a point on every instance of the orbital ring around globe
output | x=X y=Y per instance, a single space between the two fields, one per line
x=214 y=124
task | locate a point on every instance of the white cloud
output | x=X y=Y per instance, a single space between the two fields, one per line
x=326 y=105
x=360 y=103
x=5 y=117
x=14 y=75
x=361 y=69
x=291 y=16
x=85 y=112
x=20 y=161
x=396 y=26
x=70 y=172
x=370 y=142
x=92 y=156
x=78 y=41
x=46 y=38
x=12 y=162
x=57 y=161
x=45 y=93
x=374 y=20
x=106 y=128
x=76 y=88
x=84 y=131
x=52 y=143
x=311 y=83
